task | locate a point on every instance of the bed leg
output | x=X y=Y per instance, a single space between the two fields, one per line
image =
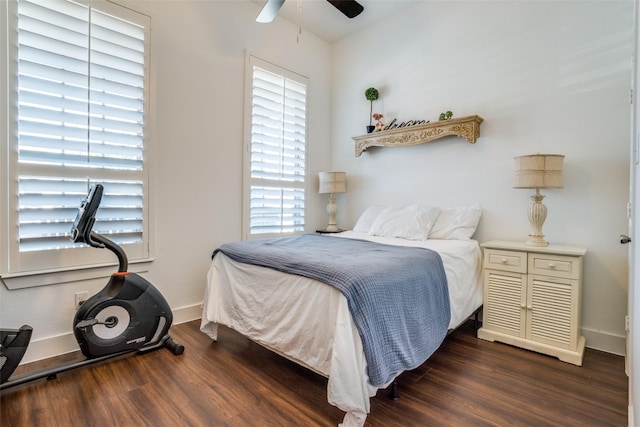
x=394 y=390
x=476 y=318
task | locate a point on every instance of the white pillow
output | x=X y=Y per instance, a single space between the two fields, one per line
x=410 y=222
x=456 y=223
x=364 y=223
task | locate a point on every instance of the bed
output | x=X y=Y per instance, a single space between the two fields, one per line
x=306 y=320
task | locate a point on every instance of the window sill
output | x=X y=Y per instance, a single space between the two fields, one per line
x=55 y=277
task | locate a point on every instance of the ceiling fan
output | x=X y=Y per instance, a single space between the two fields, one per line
x=350 y=8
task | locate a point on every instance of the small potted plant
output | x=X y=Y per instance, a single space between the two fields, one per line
x=445 y=116
x=371 y=94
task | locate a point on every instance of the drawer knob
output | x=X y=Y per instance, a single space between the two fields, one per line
x=552 y=265
x=503 y=260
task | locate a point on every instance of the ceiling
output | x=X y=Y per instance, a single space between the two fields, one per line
x=319 y=17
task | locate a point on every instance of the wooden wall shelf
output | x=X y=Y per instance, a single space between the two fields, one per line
x=464 y=127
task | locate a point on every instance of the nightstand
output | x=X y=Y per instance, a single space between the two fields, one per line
x=532 y=298
x=329 y=232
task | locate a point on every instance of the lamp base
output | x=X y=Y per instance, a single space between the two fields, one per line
x=537 y=214
x=536 y=241
x=332 y=210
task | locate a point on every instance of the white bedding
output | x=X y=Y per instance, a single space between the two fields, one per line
x=309 y=322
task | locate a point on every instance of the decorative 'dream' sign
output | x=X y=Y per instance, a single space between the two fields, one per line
x=464 y=127
x=394 y=125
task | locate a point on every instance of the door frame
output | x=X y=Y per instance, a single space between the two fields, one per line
x=633 y=319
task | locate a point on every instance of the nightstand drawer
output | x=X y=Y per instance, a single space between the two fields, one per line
x=556 y=266
x=505 y=260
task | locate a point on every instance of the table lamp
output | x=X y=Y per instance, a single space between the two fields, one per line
x=331 y=183
x=538 y=171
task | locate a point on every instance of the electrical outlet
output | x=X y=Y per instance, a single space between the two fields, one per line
x=81 y=297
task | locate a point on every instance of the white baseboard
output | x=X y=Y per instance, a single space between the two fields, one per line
x=607 y=342
x=187 y=313
x=50 y=347
x=66 y=343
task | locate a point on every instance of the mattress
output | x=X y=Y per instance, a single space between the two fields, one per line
x=308 y=321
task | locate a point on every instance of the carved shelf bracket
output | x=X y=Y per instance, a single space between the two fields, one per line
x=463 y=127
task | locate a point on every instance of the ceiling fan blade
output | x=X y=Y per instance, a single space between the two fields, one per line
x=350 y=8
x=269 y=11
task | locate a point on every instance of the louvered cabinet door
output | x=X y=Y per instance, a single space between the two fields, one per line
x=553 y=298
x=552 y=311
x=504 y=299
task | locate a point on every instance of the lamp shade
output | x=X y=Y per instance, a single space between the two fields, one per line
x=538 y=171
x=333 y=182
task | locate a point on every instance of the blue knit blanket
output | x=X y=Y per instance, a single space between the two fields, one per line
x=397 y=296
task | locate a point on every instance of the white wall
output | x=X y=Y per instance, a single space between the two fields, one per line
x=548 y=77
x=199 y=58
x=197 y=62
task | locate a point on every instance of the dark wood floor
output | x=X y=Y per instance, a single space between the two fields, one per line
x=234 y=382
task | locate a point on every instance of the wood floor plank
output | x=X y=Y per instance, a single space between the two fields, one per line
x=235 y=382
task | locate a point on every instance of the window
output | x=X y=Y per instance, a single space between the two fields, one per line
x=276 y=161
x=77 y=115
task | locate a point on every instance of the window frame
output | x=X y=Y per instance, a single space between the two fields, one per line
x=61 y=265
x=252 y=60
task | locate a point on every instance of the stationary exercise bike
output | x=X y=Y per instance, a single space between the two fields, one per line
x=128 y=315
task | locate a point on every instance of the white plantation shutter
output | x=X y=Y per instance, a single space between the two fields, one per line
x=80 y=120
x=49 y=205
x=277 y=150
